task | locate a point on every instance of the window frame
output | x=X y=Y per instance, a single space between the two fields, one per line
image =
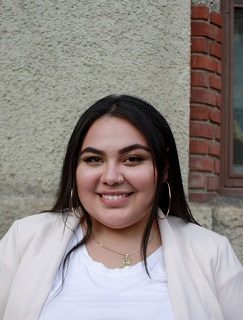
x=230 y=183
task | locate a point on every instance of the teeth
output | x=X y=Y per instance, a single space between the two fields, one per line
x=116 y=197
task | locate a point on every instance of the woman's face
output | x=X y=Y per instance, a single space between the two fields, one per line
x=114 y=148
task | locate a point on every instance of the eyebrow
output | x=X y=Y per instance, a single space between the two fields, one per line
x=92 y=150
x=121 y=151
x=133 y=147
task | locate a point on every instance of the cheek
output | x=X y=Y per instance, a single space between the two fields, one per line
x=83 y=175
x=85 y=182
x=144 y=181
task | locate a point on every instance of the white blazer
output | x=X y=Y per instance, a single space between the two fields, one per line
x=205 y=278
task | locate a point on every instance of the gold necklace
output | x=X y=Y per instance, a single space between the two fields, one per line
x=126 y=257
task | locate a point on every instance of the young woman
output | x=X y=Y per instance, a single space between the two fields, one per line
x=120 y=241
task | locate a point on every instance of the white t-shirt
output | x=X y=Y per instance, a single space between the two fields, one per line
x=92 y=291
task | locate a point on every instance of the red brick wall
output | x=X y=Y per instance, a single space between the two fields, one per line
x=205 y=104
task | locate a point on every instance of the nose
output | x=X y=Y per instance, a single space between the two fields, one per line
x=110 y=174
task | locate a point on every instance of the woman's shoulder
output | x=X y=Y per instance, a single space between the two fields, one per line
x=44 y=220
x=39 y=230
x=194 y=233
x=203 y=245
x=41 y=225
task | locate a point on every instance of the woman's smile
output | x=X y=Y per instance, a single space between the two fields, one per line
x=114 y=196
x=115 y=199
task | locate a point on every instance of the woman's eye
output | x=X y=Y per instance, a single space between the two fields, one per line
x=134 y=159
x=93 y=160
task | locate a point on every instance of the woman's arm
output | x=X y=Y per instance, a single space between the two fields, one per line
x=9 y=261
x=229 y=282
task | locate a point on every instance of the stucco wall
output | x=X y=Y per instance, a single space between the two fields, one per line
x=59 y=57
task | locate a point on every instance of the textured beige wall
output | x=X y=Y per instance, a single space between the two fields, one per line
x=58 y=57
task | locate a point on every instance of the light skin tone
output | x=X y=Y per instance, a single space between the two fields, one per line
x=114 y=148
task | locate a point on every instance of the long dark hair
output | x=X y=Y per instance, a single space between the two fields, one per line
x=156 y=130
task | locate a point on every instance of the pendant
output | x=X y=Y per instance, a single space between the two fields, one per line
x=126 y=262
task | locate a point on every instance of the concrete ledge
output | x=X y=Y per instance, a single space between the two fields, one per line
x=228 y=221
x=224 y=216
x=203 y=215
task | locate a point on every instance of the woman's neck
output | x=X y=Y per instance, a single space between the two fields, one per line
x=107 y=245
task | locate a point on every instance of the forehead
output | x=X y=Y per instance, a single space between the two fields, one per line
x=113 y=131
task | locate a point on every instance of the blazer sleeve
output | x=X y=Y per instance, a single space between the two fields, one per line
x=229 y=282
x=9 y=261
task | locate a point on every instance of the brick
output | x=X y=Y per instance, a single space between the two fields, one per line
x=219 y=35
x=200 y=12
x=204 y=96
x=213 y=183
x=216 y=50
x=218 y=100
x=203 y=62
x=198 y=146
x=215 y=82
x=199 y=113
x=217 y=166
x=199 y=79
x=197 y=181
x=218 y=133
x=202 y=130
x=201 y=163
x=216 y=18
x=201 y=197
x=215 y=115
x=204 y=29
x=200 y=45
x=219 y=67
x=214 y=148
